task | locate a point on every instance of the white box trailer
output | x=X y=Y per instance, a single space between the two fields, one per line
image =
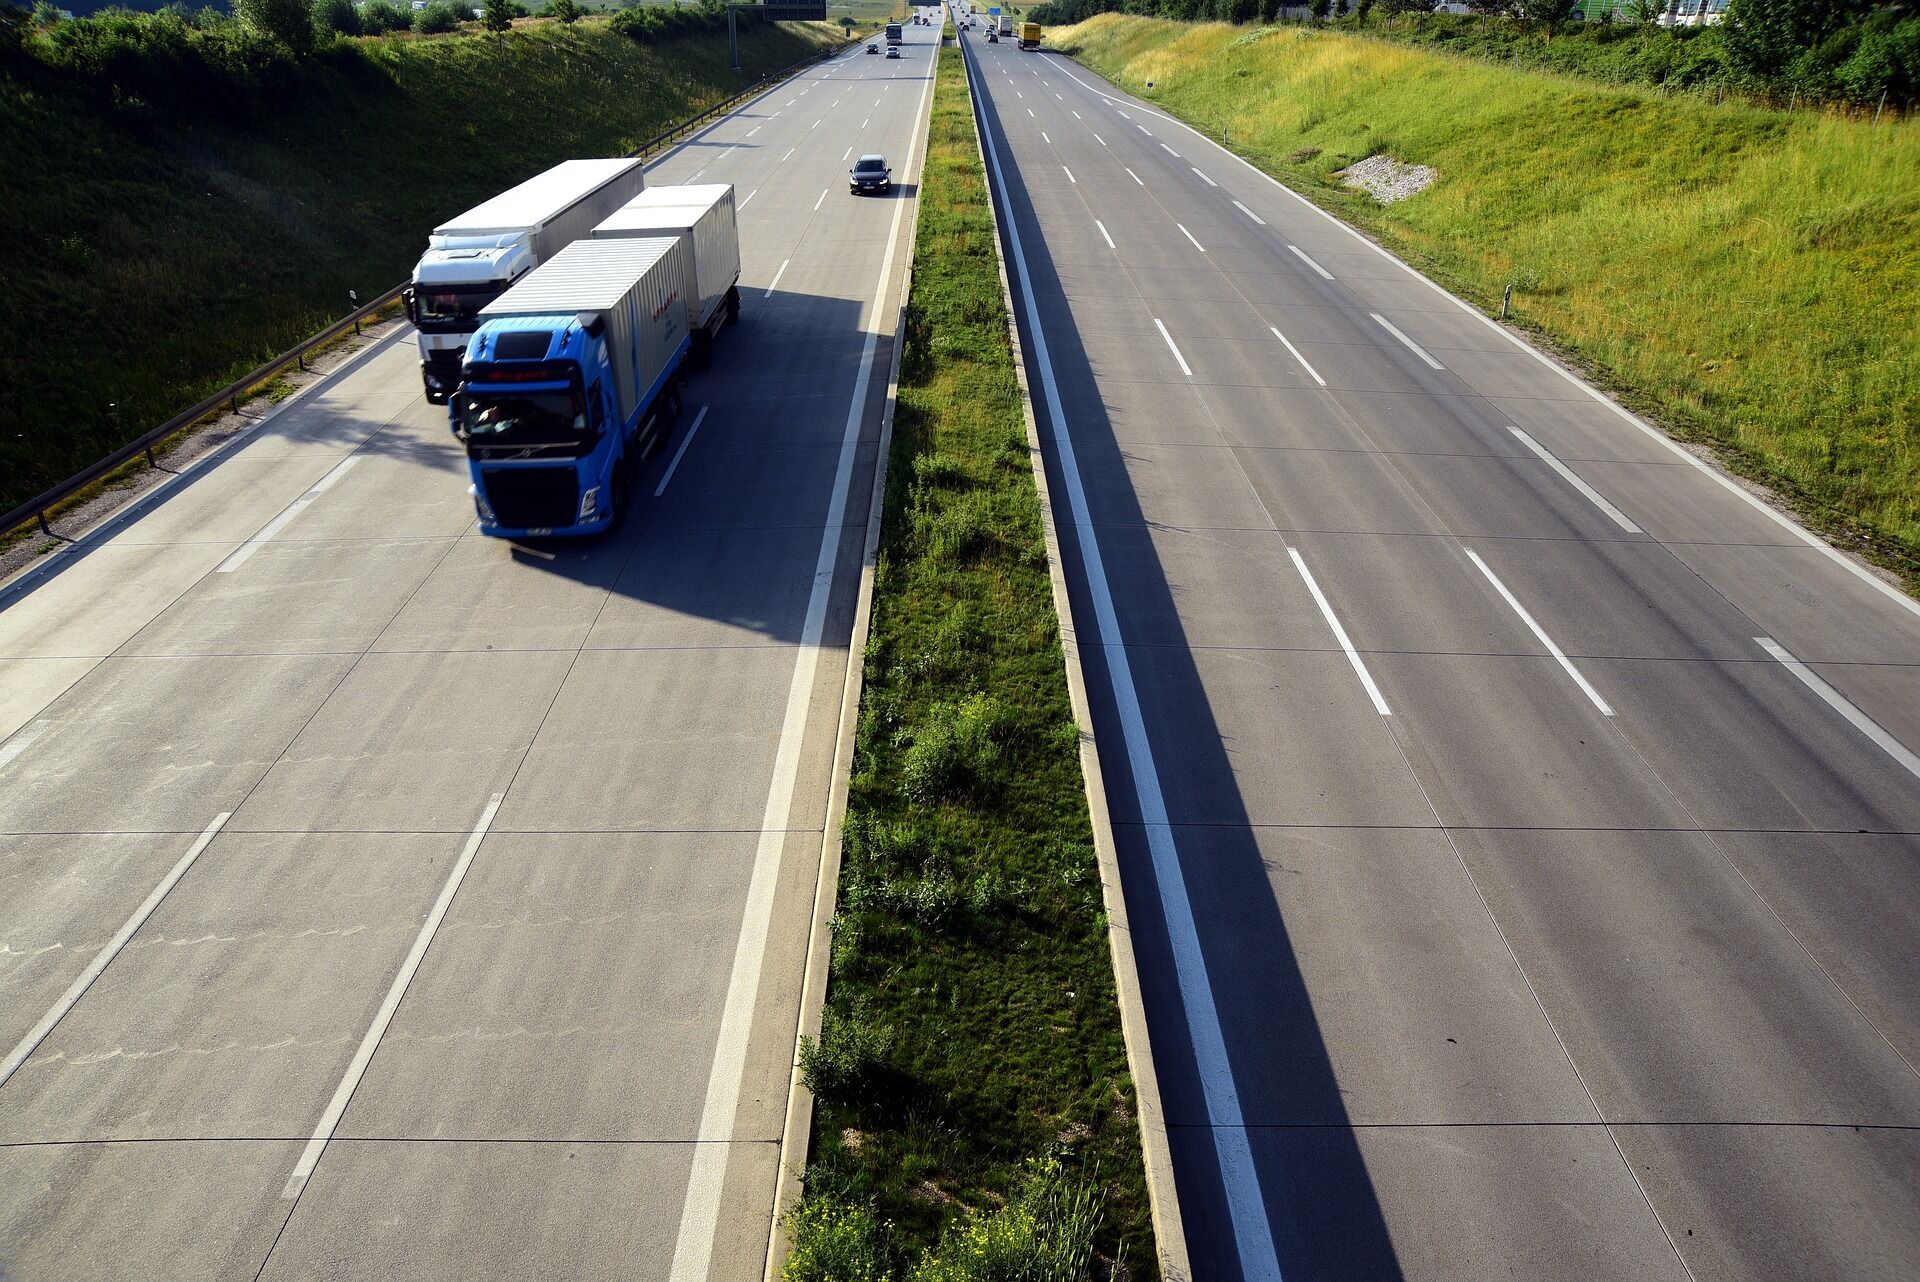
x=703 y=217
x=633 y=288
x=472 y=258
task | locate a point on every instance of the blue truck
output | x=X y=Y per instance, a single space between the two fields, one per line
x=570 y=380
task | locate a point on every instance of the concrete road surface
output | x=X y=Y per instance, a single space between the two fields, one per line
x=1518 y=821
x=379 y=901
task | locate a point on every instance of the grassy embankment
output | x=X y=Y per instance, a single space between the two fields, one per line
x=974 y=1104
x=1748 y=277
x=158 y=253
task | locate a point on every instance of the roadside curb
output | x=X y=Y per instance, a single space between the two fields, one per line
x=1169 y=1230
x=797 y=1138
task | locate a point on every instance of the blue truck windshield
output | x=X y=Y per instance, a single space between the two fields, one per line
x=522 y=419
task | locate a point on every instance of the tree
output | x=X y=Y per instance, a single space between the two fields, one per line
x=437 y=17
x=1361 y=10
x=338 y=16
x=382 y=16
x=498 y=15
x=288 y=21
x=565 y=10
x=1764 y=37
x=1319 y=9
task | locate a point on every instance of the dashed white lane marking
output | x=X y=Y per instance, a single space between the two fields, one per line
x=1096 y=222
x=789 y=156
x=1296 y=252
x=1044 y=138
x=330 y=1119
x=749 y=199
x=1170 y=151
x=279 y=523
x=1839 y=703
x=1566 y=474
x=1132 y=175
x=687 y=440
x=1069 y=174
x=23 y=738
x=1184 y=368
x=1203 y=178
x=1340 y=634
x=776 y=278
x=28 y=1044
x=1076 y=115
x=1540 y=633
x=1298 y=357
x=1240 y=1178
x=751 y=132
x=1410 y=345
x=1102 y=141
x=1249 y=213
x=1189 y=235
x=866 y=122
x=1143 y=129
x=821 y=201
x=1030 y=113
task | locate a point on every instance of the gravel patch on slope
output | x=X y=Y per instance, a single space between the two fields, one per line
x=1387 y=180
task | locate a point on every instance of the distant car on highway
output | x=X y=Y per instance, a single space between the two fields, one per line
x=873 y=48
x=870 y=173
x=893 y=51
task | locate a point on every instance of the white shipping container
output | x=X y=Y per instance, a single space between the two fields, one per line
x=702 y=215
x=634 y=287
x=551 y=209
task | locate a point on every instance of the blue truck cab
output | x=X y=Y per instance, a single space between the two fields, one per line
x=565 y=388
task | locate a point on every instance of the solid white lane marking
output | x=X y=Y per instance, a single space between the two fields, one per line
x=1203 y=178
x=1132 y=175
x=31 y=1042
x=1249 y=213
x=1170 y=347
x=1560 y=656
x=1340 y=634
x=700 y=1214
x=749 y=199
x=821 y=201
x=1838 y=702
x=25 y=735
x=685 y=441
x=1411 y=346
x=1298 y=357
x=280 y=522
x=1097 y=138
x=1070 y=177
x=1297 y=253
x=330 y=1119
x=1189 y=235
x=1096 y=222
x=1246 y=1205
x=1566 y=474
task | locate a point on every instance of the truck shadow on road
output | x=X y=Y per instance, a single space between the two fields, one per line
x=1320 y=1202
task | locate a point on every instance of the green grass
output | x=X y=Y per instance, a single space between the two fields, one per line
x=153 y=256
x=973 y=1095
x=1749 y=277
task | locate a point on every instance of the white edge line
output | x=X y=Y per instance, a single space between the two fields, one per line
x=1103 y=235
x=1246 y=1206
x=330 y=1120
x=700 y=1211
x=1410 y=345
x=1567 y=474
x=1170 y=347
x=680 y=453
x=1249 y=213
x=1859 y=720
x=1298 y=357
x=1301 y=255
x=1340 y=633
x=1726 y=482
x=28 y=1044
x=1559 y=655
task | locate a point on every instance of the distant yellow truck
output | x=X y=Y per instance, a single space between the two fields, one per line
x=1029 y=35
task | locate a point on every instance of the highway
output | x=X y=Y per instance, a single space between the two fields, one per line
x=1519 y=822
x=379 y=900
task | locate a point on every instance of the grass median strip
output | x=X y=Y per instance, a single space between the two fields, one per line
x=975 y=1117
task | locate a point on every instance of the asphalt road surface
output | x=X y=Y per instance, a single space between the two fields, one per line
x=1517 y=821
x=380 y=901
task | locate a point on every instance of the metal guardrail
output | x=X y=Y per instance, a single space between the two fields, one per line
x=36 y=508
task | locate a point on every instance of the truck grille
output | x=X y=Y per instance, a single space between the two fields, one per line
x=532 y=498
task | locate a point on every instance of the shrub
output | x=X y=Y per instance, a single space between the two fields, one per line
x=835 y=1241
x=1044 y=1235
x=565 y=10
x=848 y=1059
x=338 y=17
x=382 y=16
x=497 y=15
x=290 y=22
x=437 y=18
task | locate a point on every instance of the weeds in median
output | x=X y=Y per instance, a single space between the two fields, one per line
x=975 y=1116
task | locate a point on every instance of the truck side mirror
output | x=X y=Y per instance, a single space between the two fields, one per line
x=413 y=313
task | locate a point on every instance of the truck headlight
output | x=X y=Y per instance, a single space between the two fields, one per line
x=589 y=502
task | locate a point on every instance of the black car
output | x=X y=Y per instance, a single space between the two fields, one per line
x=873 y=48
x=870 y=173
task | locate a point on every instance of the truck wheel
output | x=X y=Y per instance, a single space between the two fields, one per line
x=733 y=305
